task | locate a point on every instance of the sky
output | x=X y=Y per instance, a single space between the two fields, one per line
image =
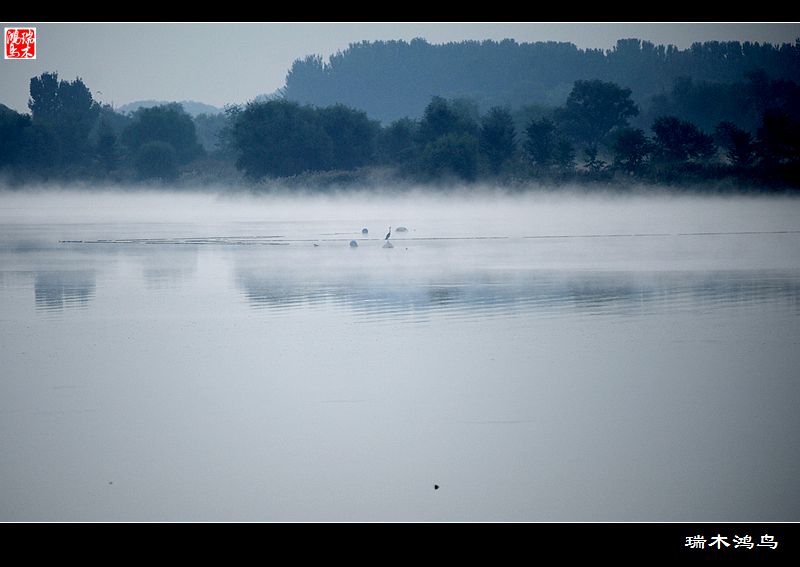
x=232 y=63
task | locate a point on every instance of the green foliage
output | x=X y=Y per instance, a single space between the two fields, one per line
x=394 y=79
x=156 y=160
x=67 y=109
x=564 y=156
x=497 y=137
x=779 y=139
x=208 y=128
x=168 y=123
x=593 y=164
x=353 y=135
x=280 y=138
x=396 y=142
x=737 y=143
x=451 y=154
x=540 y=144
x=679 y=141
x=631 y=148
x=442 y=118
x=13 y=126
x=107 y=148
x=593 y=109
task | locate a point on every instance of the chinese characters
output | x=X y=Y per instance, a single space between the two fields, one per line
x=20 y=43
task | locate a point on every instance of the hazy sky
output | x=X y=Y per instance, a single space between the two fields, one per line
x=230 y=63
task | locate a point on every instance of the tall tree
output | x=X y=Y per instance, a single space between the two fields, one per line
x=679 y=141
x=168 y=123
x=451 y=154
x=631 y=148
x=442 y=118
x=541 y=140
x=737 y=143
x=13 y=128
x=352 y=135
x=280 y=138
x=396 y=142
x=595 y=108
x=68 y=110
x=497 y=137
x=107 y=148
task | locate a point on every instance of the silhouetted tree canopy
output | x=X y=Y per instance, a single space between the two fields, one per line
x=442 y=118
x=396 y=142
x=541 y=141
x=395 y=79
x=677 y=140
x=453 y=154
x=69 y=136
x=779 y=138
x=13 y=128
x=167 y=123
x=107 y=149
x=593 y=109
x=67 y=109
x=156 y=160
x=737 y=143
x=497 y=137
x=352 y=135
x=280 y=138
x=630 y=147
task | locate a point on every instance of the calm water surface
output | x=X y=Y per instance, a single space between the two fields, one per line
x=186 y=357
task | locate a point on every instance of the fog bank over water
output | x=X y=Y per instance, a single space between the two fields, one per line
x=546 y=356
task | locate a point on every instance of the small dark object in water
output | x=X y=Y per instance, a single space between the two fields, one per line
x=436 y=487
x=401 y=229
x=109 y=482
x=364 y=231
x=315 y=244
x=353 y=244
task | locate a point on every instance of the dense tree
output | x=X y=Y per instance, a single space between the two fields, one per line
x=541 y=141
x=280 y=138
x=167 y=123
x=779 y=139
x=679 y=141
x=13 y=127
x=396 y=142
x=442 y=118
x=67 y=109
x=208 y=128
x=741 y=102
x=452 y=154
x=107 y=149
x=352 y=135
x=630 y=147
x=156 y=160
x=497 y=137
x=564 y=155
x=395 y=79
x=737 y=143
x=593 y=109
x=593 y=163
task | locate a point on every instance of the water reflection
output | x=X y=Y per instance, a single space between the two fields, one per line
x=505 y=294
x=58 y=290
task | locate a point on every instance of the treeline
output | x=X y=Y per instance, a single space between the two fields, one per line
x=592 y=137
x=395 y=79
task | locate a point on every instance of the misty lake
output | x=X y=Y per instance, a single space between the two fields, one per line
x=558 y=358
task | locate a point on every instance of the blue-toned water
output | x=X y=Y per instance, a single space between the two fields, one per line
x=189 y=357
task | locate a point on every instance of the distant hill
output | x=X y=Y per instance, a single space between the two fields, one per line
x=191 y=107
x=394 y=79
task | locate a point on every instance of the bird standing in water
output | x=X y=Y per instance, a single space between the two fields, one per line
x=388 y=234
